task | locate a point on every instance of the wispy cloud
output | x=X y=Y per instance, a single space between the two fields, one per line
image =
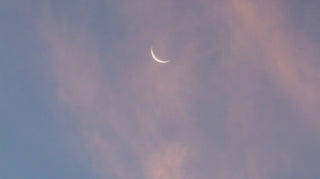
x=142 y=119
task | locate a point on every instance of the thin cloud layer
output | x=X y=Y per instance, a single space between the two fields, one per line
x=210 y=112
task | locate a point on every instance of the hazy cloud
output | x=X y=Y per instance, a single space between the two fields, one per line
x=209 y=112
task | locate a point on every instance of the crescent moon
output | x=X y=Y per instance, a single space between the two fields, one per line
x=157 y=59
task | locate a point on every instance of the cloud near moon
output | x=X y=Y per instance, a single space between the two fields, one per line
x=213 y=117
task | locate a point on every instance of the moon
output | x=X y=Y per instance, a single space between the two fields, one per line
x=157 y=59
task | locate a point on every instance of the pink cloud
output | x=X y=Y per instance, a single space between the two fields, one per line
x=149 y=112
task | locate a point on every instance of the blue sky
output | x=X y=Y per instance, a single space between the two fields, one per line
x=32 y=141
x=81 y=96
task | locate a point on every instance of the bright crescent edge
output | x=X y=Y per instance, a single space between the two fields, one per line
x=156 y=58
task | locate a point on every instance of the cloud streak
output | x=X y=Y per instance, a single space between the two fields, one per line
x=208 y=112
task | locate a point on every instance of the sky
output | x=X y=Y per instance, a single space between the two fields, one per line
x=82 y=97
